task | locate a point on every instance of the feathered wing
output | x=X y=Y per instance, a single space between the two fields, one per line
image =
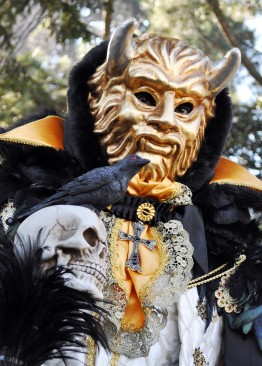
x=40 y=317
x=88 y=182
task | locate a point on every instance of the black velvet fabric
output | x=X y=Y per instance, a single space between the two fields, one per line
x=240 y=349
x=127 y=207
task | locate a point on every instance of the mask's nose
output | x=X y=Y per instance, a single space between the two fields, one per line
x=165 y=118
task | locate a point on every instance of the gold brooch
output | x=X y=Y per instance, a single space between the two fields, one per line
x=224 y=300
x=145 y=212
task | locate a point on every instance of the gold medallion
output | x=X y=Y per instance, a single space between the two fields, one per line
x=145 y=212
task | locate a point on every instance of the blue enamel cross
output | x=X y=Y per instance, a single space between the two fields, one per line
x=133 y=261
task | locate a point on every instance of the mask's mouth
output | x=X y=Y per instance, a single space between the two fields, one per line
x=147 y=142
x=159 y=147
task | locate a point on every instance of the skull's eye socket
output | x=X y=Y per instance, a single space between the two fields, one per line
x=91 y=237
x=146 y=98
x=184 y=108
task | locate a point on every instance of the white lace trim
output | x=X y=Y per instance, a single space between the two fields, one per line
x=184 y=197
x=137 y=344
x=177 y=273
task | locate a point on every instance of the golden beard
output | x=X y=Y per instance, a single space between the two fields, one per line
x=165 y=166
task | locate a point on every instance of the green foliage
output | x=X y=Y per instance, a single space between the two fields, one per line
x=63 y=18
x=244 y=144
x=26 y=87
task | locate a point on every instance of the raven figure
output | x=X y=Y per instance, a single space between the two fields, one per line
x=99 y=187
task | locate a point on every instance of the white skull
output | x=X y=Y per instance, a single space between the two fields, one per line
x=71 y=236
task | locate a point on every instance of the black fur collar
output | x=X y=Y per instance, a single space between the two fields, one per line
x=79 y=139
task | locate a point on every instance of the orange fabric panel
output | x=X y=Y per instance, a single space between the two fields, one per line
x=48 y=131
x=228 y=172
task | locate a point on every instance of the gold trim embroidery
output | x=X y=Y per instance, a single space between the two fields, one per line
x=236 y=182
x=230 y=271
x=224 y=300
x=91 y=352
x=164 y=291
x=199 y=359
x=114 y=359
x=129 y=328
x=46 y=132
x=24 y=141
x=201 y=310
x=114 y=253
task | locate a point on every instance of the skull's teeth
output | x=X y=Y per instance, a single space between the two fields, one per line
x=89 y=268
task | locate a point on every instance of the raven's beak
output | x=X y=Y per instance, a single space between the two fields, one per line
x=143 y=161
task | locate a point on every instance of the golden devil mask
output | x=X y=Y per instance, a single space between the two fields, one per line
x=153 y=96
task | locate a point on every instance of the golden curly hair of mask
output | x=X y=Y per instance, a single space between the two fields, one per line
x=172 y=56
x=104 y=105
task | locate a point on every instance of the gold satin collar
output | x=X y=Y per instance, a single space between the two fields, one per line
x=161 y=191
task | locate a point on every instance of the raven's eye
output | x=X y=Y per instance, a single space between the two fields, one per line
x=184 y=108
x=146 y=98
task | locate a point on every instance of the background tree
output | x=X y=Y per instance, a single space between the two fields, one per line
x=41 y=40
x=31 y=79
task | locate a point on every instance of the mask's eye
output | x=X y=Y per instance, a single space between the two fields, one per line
x=146 y=98
x=184 y=108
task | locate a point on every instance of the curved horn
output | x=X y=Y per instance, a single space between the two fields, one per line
x=120 y=48
x=224 y=71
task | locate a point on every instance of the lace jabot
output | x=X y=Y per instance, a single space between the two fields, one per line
x=137 y=301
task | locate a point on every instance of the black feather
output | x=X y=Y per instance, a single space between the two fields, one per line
x=40 y=317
